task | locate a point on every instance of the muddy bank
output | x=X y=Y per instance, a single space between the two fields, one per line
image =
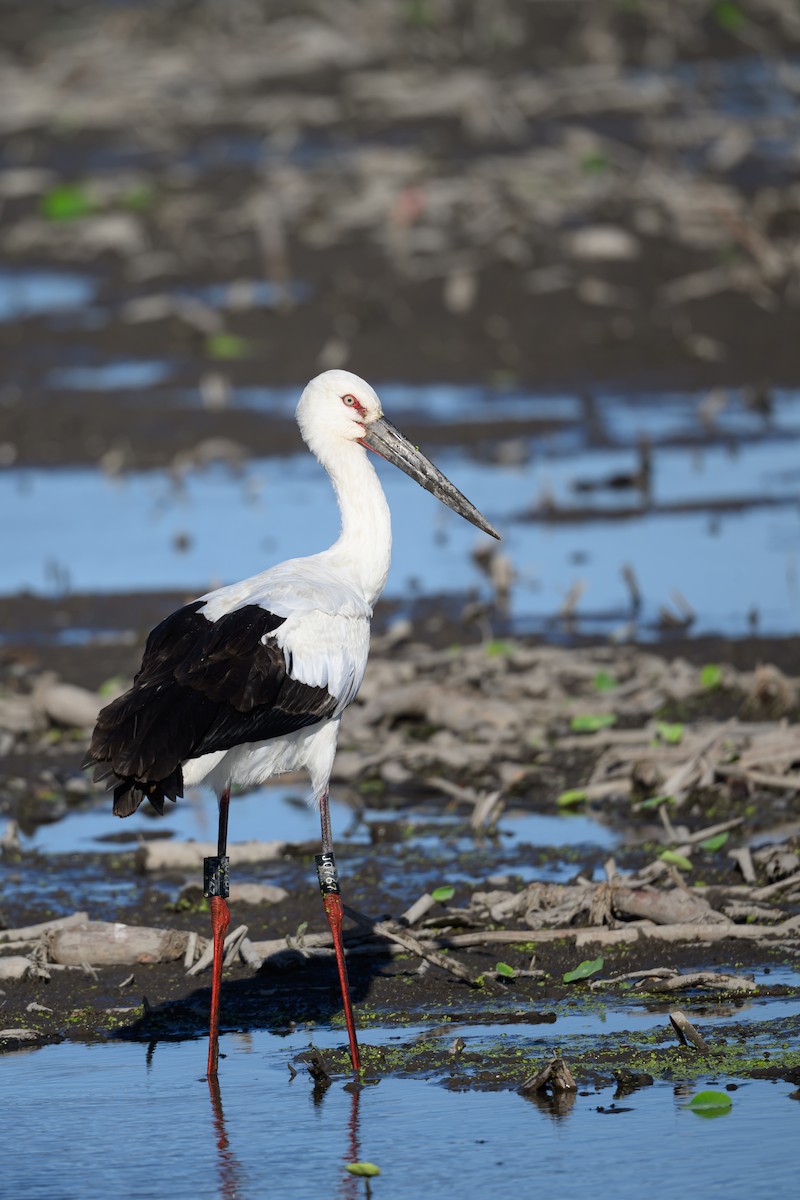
x=549 y=196
x=693 y=772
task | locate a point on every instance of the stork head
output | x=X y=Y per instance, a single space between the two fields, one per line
x=338 y=407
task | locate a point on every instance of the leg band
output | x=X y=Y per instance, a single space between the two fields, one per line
x=327 y=874
x=215 y=876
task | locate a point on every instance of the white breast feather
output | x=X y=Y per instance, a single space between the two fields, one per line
x=326 y=651
x=325 y=632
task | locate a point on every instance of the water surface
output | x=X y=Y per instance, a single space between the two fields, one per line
x=120 y=1119
x=717 y=520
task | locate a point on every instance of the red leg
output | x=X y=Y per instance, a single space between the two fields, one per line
x=216 y=888
x=332 y=900
x=220 y=920
x=333 y=910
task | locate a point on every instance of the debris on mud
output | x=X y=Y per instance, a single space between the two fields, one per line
x=703 y=873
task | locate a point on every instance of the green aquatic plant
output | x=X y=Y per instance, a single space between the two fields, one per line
x=67 y=202
x=670 y=732
x=227 y=346
x=571 y=798
x=716 y=842
x=676 y=860
x=604 y=681
x=710 y=1104
x=589 y=966
x=710 y=676
x=592 y=722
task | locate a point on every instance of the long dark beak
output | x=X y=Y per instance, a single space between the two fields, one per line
x=382 y=437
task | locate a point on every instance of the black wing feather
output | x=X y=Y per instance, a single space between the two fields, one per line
x=202 y=686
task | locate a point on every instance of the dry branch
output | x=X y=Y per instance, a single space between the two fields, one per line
x=104 y=942
x=555 y=1075
x=188 y=856
x=687 y=1034
x=710 y=980
x=32 y=933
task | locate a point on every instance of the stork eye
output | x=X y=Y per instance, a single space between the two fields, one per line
x=349 y=400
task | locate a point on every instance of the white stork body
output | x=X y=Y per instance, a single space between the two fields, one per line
x=251 y=680
x=326 y=602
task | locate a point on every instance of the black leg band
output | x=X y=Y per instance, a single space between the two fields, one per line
x=215 y=876
x=327 y=874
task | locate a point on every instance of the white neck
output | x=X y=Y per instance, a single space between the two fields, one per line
x=364 y=547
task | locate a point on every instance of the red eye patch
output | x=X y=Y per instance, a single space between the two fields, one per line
x=351 y=402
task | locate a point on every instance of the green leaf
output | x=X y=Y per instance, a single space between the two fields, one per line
x=443 y=894
x=656 y=801
x=711 y=676
x=669 y=733
x=364 y=1169
x=729 y=16
x=498 y=648
x=710 y=1104
x=589 y=966
x=591 y=722
x=677 y=860
x=66 y=202
x=595 y=164
x=504 y=969
x=571 y=798
x=227 y=345
x=604 y=682
x=716 y=842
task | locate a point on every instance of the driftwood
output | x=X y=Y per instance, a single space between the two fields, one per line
x=680 y=782
x=554 y=1075
x=407 y=942
x=673 y=907
x=240 y=893
x=546 y=905
x=16 y=967
x=104 y=942
x=418 y=909
x=65 y=704
x=780 y=885
x=31 y=933
x=744 y=860
x=311 y=941
x=632 y=932
x=687 y=1034
x=707 y=980
x=188 y=856
x=778 y=783
x=257 y=893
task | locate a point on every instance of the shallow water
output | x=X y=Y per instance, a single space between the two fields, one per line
x=282 y=814
x=153 y=1131
x=720 y=523
x=124 y=374
x=34 y=293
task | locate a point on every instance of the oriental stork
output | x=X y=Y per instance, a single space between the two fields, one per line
x=251 y=680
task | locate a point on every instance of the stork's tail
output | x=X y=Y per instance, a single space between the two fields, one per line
x=130 y=792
